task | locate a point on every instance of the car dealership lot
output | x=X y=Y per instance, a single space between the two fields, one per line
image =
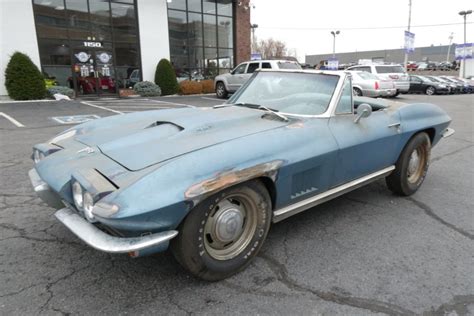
x=366 y=252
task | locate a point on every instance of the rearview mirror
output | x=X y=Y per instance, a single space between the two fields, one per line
x=363 y=110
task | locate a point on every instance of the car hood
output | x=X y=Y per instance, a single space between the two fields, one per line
x=139 y=140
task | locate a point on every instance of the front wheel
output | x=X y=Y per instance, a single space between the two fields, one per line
x=357 y=92
x=222 y=234
x=411 y=167
x=221 y=91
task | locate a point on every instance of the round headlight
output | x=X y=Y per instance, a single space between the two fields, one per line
x=77 y=195
x=88 y=205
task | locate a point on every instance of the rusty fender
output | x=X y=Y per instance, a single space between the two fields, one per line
x=199 y=191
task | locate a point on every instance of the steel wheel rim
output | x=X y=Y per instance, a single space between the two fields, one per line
x=220 y=89
x=416 y=164
x=230 y=227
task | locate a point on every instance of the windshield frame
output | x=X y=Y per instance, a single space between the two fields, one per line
x=330 y=109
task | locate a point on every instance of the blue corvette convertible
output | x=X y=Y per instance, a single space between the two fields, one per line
x=208 y=182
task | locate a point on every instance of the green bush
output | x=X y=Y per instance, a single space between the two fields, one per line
x=147 y=89
x=23 y=79
x=165 y=78
x=60 y=89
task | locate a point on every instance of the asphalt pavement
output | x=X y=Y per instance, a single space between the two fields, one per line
x=367 y=252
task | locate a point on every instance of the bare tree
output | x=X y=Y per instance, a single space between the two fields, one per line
x=271 y=48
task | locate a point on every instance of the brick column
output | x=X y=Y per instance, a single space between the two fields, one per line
x=242 y=31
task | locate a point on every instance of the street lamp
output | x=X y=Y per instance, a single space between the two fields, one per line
x=464 y=14
x=253 y=27
x=334 y=42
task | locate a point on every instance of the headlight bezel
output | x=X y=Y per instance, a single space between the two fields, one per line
x=78 y=195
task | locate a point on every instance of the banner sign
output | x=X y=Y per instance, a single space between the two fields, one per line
x=409 y=42
x=464 y=51
x=255 y=56
x=333 y=64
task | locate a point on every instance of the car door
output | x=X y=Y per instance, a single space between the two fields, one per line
x=415 y=84
x=234 y=81
x=364 y=147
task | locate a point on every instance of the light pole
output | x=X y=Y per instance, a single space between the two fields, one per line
x=464 y=14
x=409 y=24
x=334 y=42
x=253 y=27
x=451 y=36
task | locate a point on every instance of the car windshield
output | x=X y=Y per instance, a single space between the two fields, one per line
x=433 y=79
x=288 y=92
x=288 y=65
x=389 y=69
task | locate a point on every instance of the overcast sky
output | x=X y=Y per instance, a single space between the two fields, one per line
x=305 y=25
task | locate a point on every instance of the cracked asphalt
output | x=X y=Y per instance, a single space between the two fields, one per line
x=367 y=252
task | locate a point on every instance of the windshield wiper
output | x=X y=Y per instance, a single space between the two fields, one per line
x=262 y=107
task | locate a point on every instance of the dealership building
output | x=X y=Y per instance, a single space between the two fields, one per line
x=98 y=47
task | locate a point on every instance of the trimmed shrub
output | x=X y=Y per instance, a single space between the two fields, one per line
x=60 y=89
x=190 y=87
x=165 y=78
x=23 y=79
x=207 y=86
x=147 y=89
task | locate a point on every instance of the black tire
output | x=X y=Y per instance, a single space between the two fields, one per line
x=194 y=248
x=430 y=90
x=221 y=91
x=404 y=180
x=357 y=92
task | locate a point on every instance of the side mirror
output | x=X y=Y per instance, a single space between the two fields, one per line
x=363 y=110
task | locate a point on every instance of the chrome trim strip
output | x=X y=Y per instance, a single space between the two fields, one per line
x=448 y=132
x=99 y=240
x=301 y=206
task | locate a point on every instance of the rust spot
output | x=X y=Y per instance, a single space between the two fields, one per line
x=228 y=178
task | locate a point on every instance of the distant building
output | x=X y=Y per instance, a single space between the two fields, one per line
x=429 y=53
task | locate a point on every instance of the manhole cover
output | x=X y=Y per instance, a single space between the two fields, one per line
x=75 y=119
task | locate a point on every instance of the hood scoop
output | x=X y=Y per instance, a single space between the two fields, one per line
x=165 y=129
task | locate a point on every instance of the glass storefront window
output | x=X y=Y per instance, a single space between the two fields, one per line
x=77 y=12
x=177 y=4
x=50 y=18
x=126 y=54
x=177 y=28
x=124 y=22
x=100 y=20
x=209 y=6
x=226 y=58
x=195 y=29
x=224 y=7
x=58 y=76
x=54 y=52
x=225 y=32
x=210 y=31
x=194 y=6
x=196 y=59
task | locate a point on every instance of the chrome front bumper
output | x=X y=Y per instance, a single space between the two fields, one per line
x=43 y=190
x=99 y=240
x=88 y=232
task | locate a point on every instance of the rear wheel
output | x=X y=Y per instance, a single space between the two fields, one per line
x=411 y=167
x=222 y=234
x=221 y=91
x=430 y=90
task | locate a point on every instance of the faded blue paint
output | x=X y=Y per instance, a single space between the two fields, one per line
x=162 y=171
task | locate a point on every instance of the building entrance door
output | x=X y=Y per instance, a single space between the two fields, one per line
x=94 y=72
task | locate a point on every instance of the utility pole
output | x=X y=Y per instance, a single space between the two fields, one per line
x=409 y=24
x=334 y=42
x=451 y=36
x=464 y=14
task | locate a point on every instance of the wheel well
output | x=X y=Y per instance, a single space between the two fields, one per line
x=270 y=186
x=431 y=133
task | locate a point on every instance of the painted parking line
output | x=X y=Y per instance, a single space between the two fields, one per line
x=101 y=107
x=137 y=107
x=173 y=103
x=213 y=99
x=12 y=120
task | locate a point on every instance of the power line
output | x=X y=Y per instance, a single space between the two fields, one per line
x=357 y=28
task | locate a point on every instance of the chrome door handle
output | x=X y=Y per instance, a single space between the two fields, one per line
x=394 y=125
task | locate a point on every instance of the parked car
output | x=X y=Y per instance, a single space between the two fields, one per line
x=395 y=73
x=412 y=65
x=467 y=86
x=210 y=181
x=421 y=84
x=459 y=87
x=453 y=87
x=367 y=84
x=231 y=82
